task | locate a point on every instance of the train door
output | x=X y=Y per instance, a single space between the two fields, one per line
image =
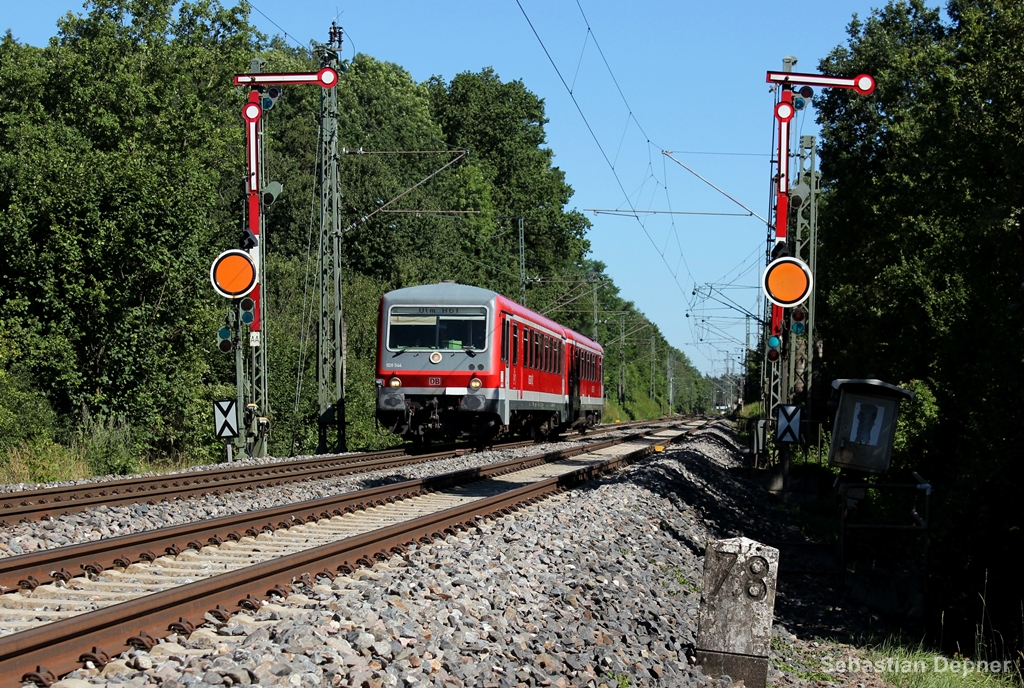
x=574 y=383
x=513 y=375
x=503 y=409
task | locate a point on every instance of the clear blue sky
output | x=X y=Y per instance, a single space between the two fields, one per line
x=693 y=75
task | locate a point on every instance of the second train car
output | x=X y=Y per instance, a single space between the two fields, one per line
x=460 y=361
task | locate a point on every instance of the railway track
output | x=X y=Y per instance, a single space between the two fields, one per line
x=138 y=587
x=33 y=505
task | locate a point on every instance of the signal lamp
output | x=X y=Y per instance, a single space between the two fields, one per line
x=475 y=383
x=774 y=345
x=248 y=307
x=798 y=321
x=271 y=191
x=224 y=342
x=802 y=97
x=394 y=383
x=270 y=97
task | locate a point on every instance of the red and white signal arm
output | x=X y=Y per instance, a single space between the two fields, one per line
x=787 y=282
x=864 y=84
x=233 y=274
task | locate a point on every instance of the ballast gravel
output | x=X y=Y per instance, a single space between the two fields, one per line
x=598 y=586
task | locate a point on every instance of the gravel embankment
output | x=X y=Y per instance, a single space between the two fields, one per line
x=595 y=587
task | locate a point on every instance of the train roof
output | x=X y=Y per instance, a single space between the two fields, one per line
x=449 y=292
x=466 y=295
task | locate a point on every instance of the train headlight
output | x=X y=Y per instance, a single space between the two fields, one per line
x=394 y=383
x=435 y=357
x=475 y=383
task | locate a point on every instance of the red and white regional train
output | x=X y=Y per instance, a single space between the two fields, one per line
x=460 y=361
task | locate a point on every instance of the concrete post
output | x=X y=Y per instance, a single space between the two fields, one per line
x=734 y=625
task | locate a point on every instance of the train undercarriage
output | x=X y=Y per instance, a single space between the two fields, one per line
x=435 y=418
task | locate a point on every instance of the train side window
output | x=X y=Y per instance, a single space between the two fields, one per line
x=547 y=354
x=528 y=348
x=504 y=340
x=515 y=343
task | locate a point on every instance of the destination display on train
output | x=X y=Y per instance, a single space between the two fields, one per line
x=438 y=310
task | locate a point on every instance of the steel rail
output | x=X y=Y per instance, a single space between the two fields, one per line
x=57 y=648
x=64 y=563
x=37 y=504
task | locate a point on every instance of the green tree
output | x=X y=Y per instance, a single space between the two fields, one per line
x=115 y=188
x=922 y=260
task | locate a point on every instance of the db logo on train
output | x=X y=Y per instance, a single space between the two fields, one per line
x=434 y=381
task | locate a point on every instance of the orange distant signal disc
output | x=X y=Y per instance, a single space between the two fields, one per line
x=233 y=274
x=787 y=282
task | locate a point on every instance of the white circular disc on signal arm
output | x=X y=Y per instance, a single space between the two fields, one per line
x=864 y=84
x=233 y=274
x=327 y=77
x=787 y=282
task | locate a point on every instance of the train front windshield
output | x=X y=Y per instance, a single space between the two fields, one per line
x=435 y=327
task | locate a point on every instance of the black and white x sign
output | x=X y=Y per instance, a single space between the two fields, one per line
x=225 y=420
x=789 y=424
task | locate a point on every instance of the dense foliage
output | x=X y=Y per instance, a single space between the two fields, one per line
x=923 y=271
x=121 y=169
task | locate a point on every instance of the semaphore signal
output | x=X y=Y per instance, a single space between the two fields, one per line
x=788 y=281
x=236 y=274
